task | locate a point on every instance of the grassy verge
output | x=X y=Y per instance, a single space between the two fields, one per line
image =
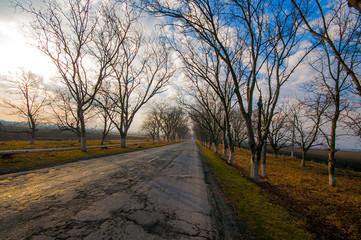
x=30 y=161
x=41 y=144
x=330 y=213
x=268 y=220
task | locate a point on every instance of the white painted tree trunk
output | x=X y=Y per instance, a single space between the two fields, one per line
x=254 y=168
x=224 y=153
x=231 y=157
x=263 y=163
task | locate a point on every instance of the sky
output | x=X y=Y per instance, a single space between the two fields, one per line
x=17 y=52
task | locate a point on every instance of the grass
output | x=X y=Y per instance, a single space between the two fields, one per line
x=330 y=213
x=268 y=219
x=29 y=161
x=40 y=144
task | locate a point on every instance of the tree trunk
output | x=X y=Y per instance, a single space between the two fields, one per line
x=331 y=168
x=102 y=140
x=82 y=130
x=303 y=160
x=255 y=164
x=231 y=149
x=331 y=174
x=123 y=142
x=225 y=148
x=83 y=136
x=275 y=152
x=255 y=167
x=225 y=145
x=32 y=137
x=263 y=162
x=231 y=155
x=332 y=148
x=216 y=147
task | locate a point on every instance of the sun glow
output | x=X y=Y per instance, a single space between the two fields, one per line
x=17 y=52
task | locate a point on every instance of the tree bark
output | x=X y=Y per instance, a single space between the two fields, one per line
x=32 y=135
x=82 y=132
x=225 y=149
x=263 y=163
x=123 y=142
x=332 y=145
x=231 y=155
x=102 y=140
x=303 y=160
x=255 y=167
x=225 y=145
x=331 y=171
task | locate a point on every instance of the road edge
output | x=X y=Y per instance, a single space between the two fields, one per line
x=227 y=223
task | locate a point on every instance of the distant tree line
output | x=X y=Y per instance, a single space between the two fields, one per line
x=167 y=121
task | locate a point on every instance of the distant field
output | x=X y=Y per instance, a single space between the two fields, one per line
x=344 y=159
x=14 y=138
x=16 y=132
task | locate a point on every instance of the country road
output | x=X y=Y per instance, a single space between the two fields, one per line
x=158 y=193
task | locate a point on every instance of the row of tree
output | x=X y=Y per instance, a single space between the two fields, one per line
x=239 y=55
x=167 y=121
x=106 y=64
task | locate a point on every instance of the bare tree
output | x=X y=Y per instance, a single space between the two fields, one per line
x=171 y=119
x=149 y=126
x=206 y=112
x=352 y=118
x=307 y=116
x=152 y=125
x=80 y=43
x=64 y=114
x=238 y=128
x=28 y=99
x=102 y=106
x=206 y=65
x=205 y=126
x=321 y=21
x=331 y=81
x=136 y=79
x=279 y=134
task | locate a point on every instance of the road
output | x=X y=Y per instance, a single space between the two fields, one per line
x=157 y=193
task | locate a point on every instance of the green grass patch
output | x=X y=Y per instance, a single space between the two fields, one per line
x=268 y=220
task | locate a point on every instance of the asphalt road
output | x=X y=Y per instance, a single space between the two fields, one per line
x=157 y=193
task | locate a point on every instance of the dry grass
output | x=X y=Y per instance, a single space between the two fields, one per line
x=331 y=213
x=29 y=161
x=40 y=144
x=267 y=219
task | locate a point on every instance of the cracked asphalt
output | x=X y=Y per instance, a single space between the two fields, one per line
x=158 y=193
